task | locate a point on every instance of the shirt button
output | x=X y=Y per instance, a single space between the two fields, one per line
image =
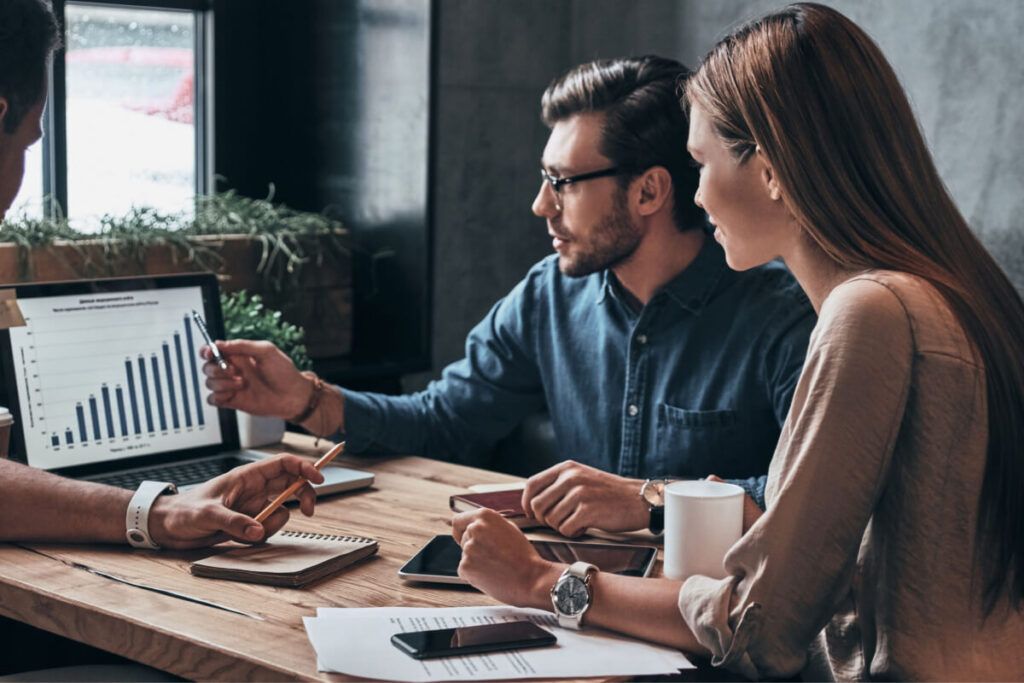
x=641 y=339
x=633 y=410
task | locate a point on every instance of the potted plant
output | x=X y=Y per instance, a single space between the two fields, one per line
x=245 y=317
x=300 y=262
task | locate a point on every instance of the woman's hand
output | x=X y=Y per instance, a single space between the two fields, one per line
x=499 y=560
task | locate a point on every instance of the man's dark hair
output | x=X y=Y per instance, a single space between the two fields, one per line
x=28 y=36
x=644 y=125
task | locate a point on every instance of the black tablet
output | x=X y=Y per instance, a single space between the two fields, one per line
x=438 y=560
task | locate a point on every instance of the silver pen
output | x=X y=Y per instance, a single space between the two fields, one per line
x=209 y=342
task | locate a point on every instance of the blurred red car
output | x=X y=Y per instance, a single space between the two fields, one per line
x=179 y=105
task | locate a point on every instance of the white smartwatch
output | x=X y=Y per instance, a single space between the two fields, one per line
x=137 y=518
x=571 y=596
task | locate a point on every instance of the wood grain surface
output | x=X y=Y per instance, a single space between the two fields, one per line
x=47 y=585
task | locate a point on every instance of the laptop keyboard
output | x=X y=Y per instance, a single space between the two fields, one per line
x=181 y=474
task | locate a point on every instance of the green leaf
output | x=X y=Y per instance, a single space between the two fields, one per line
x=245 y=317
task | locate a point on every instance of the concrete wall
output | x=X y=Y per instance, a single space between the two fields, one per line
x=960 y=61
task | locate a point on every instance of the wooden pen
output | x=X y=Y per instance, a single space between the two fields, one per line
x=290 y=491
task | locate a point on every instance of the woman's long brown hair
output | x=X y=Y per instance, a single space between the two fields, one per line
x=816 y=94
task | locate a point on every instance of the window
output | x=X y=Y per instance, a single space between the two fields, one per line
x=130 y=104
x=126 y=116
x=30 y=198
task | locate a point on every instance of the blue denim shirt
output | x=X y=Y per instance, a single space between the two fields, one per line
x=698 y=382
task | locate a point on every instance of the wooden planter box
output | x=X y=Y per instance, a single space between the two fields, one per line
x=321 y=302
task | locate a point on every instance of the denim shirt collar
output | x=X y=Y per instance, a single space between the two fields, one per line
x=690 y=289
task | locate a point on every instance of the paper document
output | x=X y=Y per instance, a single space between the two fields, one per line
x=357 y=642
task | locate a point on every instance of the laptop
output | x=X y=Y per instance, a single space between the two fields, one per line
x=105 y=384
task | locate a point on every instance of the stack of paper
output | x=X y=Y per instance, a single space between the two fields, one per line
x=357 y=642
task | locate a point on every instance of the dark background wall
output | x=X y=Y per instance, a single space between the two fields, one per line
x=329 y=102
x=960 y=61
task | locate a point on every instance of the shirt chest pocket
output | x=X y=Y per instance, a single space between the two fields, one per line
x=729 y=443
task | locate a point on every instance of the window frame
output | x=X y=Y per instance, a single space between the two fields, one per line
x=55 y=155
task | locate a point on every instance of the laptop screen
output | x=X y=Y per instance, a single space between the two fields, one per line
x=111 y=373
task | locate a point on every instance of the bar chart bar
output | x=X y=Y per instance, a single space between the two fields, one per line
x=54 y=441
x=119 y=392
x=69 y=438
x=170 y=386
x=106 y=409
x=155 y=365
x=95 y=418
x=131 y=396
x=195 y=372
x=81 y=423
x=181 y=380
x=145 y=395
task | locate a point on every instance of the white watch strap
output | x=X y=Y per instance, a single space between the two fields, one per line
x=137 y=518
x=583 y=570
x=569 y=622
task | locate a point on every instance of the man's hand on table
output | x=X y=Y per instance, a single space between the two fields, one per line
x=223 y=508
x=571 y=498
x=499 y=560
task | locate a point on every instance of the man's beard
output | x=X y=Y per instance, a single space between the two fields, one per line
x=613 y=241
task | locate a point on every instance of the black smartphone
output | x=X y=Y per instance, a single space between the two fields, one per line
x=466 y=640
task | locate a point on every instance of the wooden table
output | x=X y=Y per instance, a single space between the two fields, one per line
x=41 y=585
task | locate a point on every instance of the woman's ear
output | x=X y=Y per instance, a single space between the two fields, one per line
x=768 y=177
x=3 y=111
x=654 y=189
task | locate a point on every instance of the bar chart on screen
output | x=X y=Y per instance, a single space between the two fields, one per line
x=111 y=375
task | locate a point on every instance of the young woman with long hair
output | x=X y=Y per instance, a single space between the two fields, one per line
x=893 y=542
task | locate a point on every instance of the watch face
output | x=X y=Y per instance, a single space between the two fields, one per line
x=572 y=595
x=654 y=492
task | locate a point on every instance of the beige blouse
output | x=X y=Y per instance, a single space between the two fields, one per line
x=862 y=567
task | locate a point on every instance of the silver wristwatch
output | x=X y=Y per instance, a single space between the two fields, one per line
x=137 y=517
x=571 y=596
x=653 y=492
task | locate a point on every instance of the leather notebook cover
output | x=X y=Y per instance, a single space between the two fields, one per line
x=508 y=503
x=289 y=558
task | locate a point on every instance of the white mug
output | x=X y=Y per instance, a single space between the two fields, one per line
x=703 y=519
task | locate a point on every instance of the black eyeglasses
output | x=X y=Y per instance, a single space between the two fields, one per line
x=558 y=183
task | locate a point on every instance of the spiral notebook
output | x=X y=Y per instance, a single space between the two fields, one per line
x=290 y=558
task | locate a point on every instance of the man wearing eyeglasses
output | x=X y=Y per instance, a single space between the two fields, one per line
x=653 y=359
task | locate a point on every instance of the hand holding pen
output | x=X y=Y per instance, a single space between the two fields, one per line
x=260 y=379
x=201 y=324
x=324 y=460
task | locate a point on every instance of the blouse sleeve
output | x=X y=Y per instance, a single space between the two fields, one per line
x=791 y=571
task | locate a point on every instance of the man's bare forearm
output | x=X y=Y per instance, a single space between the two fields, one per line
x=39 y=506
